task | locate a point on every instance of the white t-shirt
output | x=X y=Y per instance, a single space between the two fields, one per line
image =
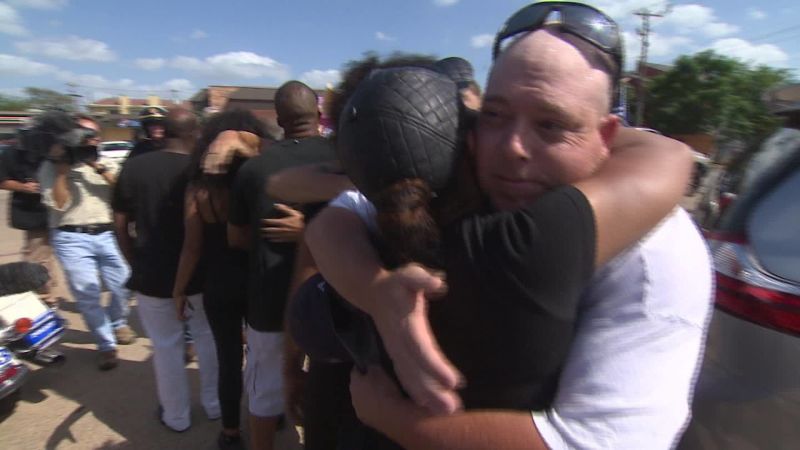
x=629 y=378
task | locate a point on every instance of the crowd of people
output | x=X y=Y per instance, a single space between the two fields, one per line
x=451 y=270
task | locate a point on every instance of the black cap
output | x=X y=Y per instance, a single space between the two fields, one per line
x=400 y=123
x=458 y=69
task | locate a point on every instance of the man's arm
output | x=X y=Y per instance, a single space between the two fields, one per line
x=28 y=187
x=642 y=181
x=378 y=403
x=190 y=252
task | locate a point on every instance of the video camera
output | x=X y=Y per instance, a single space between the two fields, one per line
x=58 y=127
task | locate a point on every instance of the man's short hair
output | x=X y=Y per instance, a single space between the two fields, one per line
x=180 y=123
x=597 y=58
x=296 y=102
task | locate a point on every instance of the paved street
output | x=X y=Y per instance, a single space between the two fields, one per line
x=75 y=406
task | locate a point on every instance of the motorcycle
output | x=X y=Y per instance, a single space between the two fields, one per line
x=28 y=327
x=12 y=376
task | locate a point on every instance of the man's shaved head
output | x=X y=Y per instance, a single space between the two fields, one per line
x=181 y=123
x=296 y=105
x=550 y=55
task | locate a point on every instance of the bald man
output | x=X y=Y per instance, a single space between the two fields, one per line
x=545 y=123
x=270 y=262
x=150 y=193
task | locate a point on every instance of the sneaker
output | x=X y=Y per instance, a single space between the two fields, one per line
x=125 y=335
x=227 y=442
x=107 y=360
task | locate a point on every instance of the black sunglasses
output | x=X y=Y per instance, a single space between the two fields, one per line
x=581 y=20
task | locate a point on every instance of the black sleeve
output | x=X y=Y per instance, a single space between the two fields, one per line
x=6 y=162
x=122 y=198
x=239 y=205
x=543 y=253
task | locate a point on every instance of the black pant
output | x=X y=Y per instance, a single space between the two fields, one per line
x=225 y=312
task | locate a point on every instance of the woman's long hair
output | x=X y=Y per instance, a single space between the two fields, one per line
x=410 y=216
x=237 y=120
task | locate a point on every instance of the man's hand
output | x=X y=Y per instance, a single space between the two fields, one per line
x=226 y=147
x=180 y=306
x=286 y=229
x=400 y=315
x=29 y=187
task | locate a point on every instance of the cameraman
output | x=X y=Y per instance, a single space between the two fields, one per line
x=18 y=166
x=76 y=188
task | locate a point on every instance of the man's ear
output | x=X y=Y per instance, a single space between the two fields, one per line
x=609 y=127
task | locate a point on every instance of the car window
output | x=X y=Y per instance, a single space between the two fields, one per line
x=773 y=229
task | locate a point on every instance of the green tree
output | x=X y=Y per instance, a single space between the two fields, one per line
x=710 y=93
x=46 y=98
x=11 y=103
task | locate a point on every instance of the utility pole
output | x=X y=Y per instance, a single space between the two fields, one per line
x=644 y=34
x=72 y=92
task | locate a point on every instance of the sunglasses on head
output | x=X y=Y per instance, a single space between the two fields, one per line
x=578 y=19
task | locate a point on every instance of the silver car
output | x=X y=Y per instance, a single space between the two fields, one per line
x=748 y=392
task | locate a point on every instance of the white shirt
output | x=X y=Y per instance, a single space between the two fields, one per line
x=629 y=378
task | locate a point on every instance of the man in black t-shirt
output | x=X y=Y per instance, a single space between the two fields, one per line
x=27 y=212
x=271 y=263
x=150 y=193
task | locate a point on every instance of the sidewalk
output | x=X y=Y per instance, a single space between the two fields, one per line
x=75 y=406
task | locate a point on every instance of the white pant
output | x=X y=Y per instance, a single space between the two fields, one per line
x=166 y=331
x=263 y=373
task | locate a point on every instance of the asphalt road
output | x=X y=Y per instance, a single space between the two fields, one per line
x=75 y=406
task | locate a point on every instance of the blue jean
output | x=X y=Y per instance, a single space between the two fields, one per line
x=85 y=259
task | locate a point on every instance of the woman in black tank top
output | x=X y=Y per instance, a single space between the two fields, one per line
x=206 y=249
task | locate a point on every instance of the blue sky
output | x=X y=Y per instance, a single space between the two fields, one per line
x=173 y=48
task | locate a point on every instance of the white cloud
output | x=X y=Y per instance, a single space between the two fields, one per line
x=481 y=40
x=756 y=14
x=767 y=54
x=19 y=66
x=693 y=18
x=622 y=10
x=198 y=34
x=150 y=63
x=233 y=65
x=321 y=78
x=179 y=84
x=38 y=4
x=665 y=45
x=73 y=48
x=381 y=36
x=11 y=22
x=445 y=2
x=93 y=81
x=98 y=86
